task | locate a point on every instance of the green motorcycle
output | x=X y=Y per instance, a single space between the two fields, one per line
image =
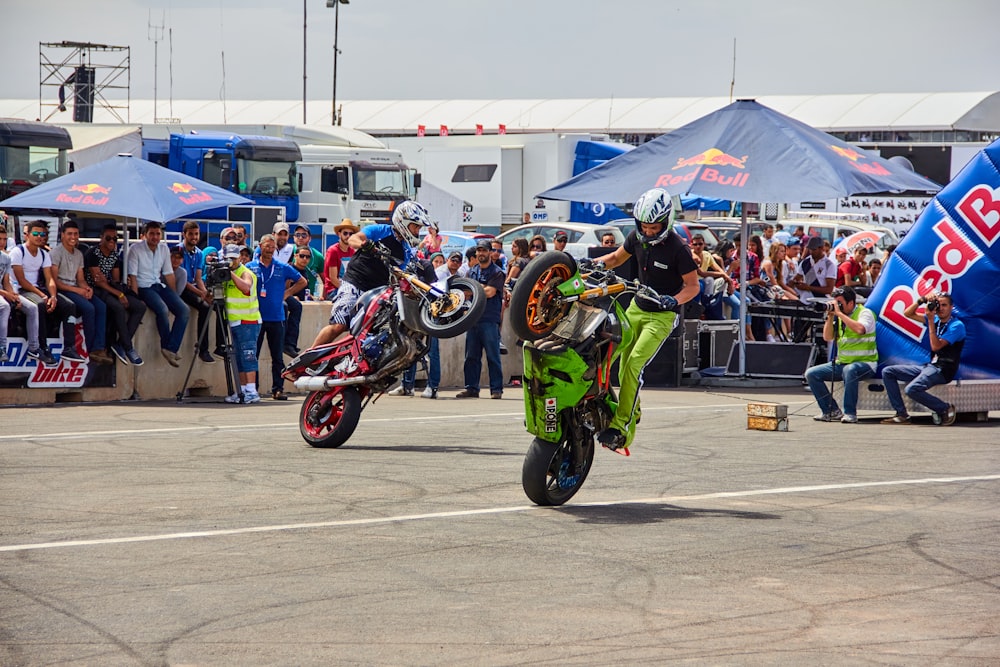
x=573 y=328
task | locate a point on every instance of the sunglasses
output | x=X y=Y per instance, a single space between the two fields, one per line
x=109 y=238
x=39 y=233
x=538 y=247
x=300 y=234
x=229 y=237
x=305 y=256
x=561 y=240
x=697 y=243
x=347 y=233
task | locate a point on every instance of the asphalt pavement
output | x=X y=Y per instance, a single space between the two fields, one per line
x=210 y=534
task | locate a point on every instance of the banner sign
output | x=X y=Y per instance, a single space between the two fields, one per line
x=952 y=247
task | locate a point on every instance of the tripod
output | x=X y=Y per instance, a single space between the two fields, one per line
x=226 y=344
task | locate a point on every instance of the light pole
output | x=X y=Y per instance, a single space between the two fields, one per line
x=336 y=31
x=304 y=24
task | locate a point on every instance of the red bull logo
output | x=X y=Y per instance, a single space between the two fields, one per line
x=87 y=195
x=193 y=195
x=705 y=167
x=90 y=189
x=182 y=188
x=859 y=161
x=712 y=157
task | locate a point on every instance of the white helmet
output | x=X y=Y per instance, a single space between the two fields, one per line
x=409 y=212
x=653 y=206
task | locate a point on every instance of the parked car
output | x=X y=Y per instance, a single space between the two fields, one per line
x=581 y=235
x=685 y=229
x=829 y=230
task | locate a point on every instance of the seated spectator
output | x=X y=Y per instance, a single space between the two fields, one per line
x=714 y=281
x=11 y=302
x=103 y=271
x=180 y=273
x=191 y=285
x=430 y=244
x=853 y=272
x=67 y=268
x=31 y=264
x=151 y=276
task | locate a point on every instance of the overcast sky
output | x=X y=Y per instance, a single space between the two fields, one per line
x=433 y=49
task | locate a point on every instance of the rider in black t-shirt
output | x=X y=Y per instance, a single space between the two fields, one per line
x=665 y=264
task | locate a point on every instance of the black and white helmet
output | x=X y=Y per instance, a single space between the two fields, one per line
x=408 y=212
x=653 y=206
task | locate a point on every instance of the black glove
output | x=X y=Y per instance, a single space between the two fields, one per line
x=368 y=246
x=668 y=302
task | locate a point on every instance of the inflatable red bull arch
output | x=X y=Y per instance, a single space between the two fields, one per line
x=952 y=247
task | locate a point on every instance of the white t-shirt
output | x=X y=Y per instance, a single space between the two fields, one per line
x=32 y=264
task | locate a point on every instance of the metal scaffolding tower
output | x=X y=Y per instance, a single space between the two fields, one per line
x=83 y=75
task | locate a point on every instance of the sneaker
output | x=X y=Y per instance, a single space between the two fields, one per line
x=467 y=393
x=206 y=357
x=832 y=416
x=897 y=419
x=430 y=392
x=172 y=359
x=134 y=357
x=949 y=416
x=44 y=356
x=70 y=354
x=849 y=419
x=936 y=418
x=3 y=356
x=496 y=395
x=503 y=348
x=401 y=391
x=235 y=398
x=251 y=397
x=119 y=352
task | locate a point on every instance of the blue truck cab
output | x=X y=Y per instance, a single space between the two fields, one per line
x=263 y=169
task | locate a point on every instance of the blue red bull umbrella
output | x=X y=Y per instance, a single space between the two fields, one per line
x=129 y=187
x=743 y=152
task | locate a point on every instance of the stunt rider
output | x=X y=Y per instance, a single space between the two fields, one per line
x=366 y=270
x=665 y=265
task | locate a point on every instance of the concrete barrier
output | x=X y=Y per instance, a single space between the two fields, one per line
x=156 y=379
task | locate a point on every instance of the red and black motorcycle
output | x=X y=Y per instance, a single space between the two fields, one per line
x=388 y=333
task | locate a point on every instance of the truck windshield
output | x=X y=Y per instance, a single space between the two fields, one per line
x=34 y=164
x=379 y=183
x=267 y=178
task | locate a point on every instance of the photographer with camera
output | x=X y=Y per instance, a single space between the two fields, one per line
x=852 y=326
x=947 y=337
x=243 y=315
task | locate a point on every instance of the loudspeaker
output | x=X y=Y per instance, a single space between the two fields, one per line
x=772 y=360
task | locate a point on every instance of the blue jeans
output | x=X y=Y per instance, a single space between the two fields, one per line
x=850 y=375
x=433 y=368
x=162 y=300
x=485 y=336
x=275 y=332
x=95 y=318
x=920 y=379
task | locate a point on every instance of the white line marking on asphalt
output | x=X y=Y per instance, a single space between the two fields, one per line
x=76 y=435
x=490 y=510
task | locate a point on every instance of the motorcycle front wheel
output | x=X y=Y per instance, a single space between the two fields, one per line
x=456 y=312
x=534 y=306
x=328 y=418
x=549 y=474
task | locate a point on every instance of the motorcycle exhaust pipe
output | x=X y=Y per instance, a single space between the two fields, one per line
x=324 y=382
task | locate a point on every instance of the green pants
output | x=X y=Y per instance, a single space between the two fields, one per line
x=651 y=329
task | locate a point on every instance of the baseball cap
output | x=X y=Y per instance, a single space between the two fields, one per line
x=793 y=241
x=298 y=227
x=814 y=242
x=484 y=243
x=230 y=251
x=560 y=235
x=279 y=227
x=455 y=255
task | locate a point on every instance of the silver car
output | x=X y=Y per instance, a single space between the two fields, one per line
x=581 y=235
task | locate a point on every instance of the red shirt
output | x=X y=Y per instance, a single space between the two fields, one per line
x=848 y=268
x=335 y=257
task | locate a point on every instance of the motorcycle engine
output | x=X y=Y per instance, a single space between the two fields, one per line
x=372 y=347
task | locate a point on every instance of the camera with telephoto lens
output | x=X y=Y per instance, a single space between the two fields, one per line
x=217 y=272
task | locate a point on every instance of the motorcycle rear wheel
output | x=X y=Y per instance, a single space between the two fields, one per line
x=534 y=312
x=328 y=418
x=455 y=313
x=548 y=474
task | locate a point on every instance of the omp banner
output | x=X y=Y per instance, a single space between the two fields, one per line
x=953 y=247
